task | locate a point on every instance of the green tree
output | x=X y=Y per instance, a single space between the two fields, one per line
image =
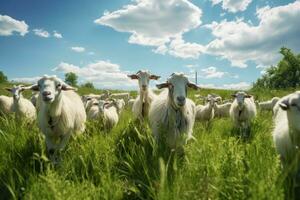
x=3 y=78
x=285 y=75
x=88 y=85
x=71 y=78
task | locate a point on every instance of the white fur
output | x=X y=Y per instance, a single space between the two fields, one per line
x=61 y=113
x=23 y=108
x=242 y=110
x=141 y=105
x=268 y=105
x=125 y=96
x=222 y=110
x=108 y=113
x=286 y=133
x=6 y=104
x=92 y=109
x=205 y=112
x=173 y=114
x=119 y=104
x=131 y=102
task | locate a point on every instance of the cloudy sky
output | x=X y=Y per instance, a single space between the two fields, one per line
x=228 y=42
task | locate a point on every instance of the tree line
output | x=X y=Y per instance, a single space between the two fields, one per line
x=284 y=75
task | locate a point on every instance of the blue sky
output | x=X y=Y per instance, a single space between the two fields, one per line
x=229 y=42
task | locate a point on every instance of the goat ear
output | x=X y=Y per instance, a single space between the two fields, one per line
x=248 y=96
x=284 y=105
x=8 y=89
x=154 y=77
x=34 y=87
x=133 y=76
x=163 y=85
x=233 y=95
x=66 y=87
x=193 y=85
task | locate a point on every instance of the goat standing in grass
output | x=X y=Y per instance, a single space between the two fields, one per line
x=23 y=108
x=142 y=103
x=172 y=113
x=5 y=105
x=242 y=111
x=61 y=113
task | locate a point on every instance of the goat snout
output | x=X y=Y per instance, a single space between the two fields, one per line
x=47 y=96
x=46 y=93
x=181 y=100
x=144 y=87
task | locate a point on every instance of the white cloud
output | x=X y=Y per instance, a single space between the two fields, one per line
x=9 y=25
x=41 y=33
x=179 y=48
x=57 y=35
x=233 y=5
x=213 y=72
x=26 y=79
x=240 y=42
x=230 y=86
x=102 y=74
x=91 y=53
x=237 y=86
x=158 y=23
x=78 y=49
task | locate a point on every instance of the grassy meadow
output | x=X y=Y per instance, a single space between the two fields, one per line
x=126 y=163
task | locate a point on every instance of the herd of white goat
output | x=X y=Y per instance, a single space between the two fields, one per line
x=61 y=112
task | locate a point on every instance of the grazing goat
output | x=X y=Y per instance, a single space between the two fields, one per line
x=172 y=113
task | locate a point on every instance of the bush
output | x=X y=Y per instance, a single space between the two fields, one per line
x=3 y=78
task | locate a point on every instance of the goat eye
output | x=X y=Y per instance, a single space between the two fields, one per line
x=293 y=104
x=58 y=85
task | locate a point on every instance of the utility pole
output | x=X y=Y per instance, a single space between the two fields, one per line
x=196 y=79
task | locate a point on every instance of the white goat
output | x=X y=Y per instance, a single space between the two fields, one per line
x=61 y=113
x=119 y=104
x=130 y=103
x=173 y=112
x=242 y=110
x=206 y=112
x=92 y=109
x=125 y=96
x=222 y=110
x=23 y=108
x=286 y=134
x=268 y=105
x=6 y=104
x=108 y=113
x=142 y=103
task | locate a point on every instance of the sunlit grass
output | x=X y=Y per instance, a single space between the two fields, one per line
x=126 y=163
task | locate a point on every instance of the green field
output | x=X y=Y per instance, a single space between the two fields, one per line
x=126 y=163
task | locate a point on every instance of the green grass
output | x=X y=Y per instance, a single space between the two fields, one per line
x=126 y=163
